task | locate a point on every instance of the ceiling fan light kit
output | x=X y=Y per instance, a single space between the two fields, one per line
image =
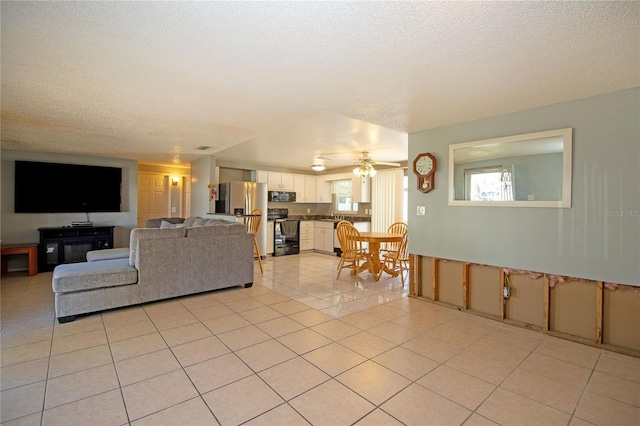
x=366 y=166
x=365 y=169
x=318 y=167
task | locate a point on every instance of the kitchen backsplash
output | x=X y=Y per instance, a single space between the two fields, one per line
x=322 y=209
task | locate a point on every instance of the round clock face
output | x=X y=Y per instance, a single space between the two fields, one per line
x=424 y=165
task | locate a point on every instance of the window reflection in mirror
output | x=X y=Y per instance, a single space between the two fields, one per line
x=532 y=170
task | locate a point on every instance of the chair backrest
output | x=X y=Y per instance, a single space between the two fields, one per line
x=349 y=237
x=402 y=253
x=398 y=228
x=253 y=221
x=398 y=246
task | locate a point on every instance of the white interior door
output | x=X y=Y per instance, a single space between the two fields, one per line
x=153 y=196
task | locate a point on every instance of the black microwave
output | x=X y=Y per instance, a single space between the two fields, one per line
x=282 y=196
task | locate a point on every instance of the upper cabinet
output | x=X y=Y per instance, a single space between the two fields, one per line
x=361 y=189
x=305 y=188
x=314 y=189
x=275 y=181
x=261 y=176
x=323 y=190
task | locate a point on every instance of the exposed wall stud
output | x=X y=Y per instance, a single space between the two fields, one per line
x=434 y=280
x=546 y=303
x=414 y=275
x=465 y=286
x=599 y=310
x=502 y=300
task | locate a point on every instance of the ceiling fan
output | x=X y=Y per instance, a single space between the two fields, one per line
x=318 y=165
x=366 y=159
x=365 y=165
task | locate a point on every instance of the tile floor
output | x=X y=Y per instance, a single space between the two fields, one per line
x=298 y=347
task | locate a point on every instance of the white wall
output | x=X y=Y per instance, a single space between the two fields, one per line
x=23 y=227
x=202 y=174
x=597 y=238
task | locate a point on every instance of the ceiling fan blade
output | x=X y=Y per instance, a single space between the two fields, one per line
x=382 y=163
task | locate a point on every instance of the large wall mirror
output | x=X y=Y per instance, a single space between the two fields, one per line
x=530 y=170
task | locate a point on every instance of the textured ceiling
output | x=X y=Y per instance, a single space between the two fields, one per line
x=151 y=81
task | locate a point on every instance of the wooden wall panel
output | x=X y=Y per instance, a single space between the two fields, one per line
x=484 y=289
x=526 y=303
x=426 y=274
x=621 y=322
x=578 y=310
x=450 y=282
x=573 y=309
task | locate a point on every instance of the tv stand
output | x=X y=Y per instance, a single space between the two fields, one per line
x=71 y=244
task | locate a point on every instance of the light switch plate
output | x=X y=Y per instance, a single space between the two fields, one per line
x=421 y=210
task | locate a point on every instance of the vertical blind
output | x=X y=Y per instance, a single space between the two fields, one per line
x=386 y=196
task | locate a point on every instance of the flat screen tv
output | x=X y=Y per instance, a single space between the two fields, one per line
x=66 y=188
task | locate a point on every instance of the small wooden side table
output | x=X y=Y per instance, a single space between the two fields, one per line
x=31 y=250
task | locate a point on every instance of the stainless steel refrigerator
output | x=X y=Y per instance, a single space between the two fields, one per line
x=240 y=198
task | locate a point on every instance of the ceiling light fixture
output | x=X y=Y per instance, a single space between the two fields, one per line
x=318 y=167
x=365 y=169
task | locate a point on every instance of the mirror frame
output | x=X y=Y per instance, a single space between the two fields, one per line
x=567 y=143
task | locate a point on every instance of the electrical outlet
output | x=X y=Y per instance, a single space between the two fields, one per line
x=173 y=209
x=421 y=210
x=530 y=197
x=308 y=210
x=506 y=292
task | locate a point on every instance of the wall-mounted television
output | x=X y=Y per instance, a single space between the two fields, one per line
x=66 y=188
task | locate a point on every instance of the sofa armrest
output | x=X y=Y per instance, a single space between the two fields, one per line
x=108 y=254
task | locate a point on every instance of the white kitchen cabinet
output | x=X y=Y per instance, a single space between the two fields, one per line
x=262 y=177
x=277 y=181
x=361 y=189
x=307 y=235
x=270 y=236
x=323 y=190
x=323 y=241
x=305 y=188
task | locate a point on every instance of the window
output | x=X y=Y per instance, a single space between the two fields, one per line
x=488 y=184
x=342 y=200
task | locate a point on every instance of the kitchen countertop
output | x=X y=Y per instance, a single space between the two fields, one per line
x=330 y=218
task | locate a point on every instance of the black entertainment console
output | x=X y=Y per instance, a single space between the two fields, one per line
x=71 y=244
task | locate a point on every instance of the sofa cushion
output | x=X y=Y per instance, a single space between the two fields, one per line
x=188 y=222
x=164 y=224
x=150 y=234
x=217 y=228
x=223 y=217
x=198 y=222
x=156 y=222
x=92 y=275
x=115 y=253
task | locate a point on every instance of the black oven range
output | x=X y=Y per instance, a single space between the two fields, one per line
x=286 y=239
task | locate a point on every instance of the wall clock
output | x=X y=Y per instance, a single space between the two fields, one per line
x=424 y=166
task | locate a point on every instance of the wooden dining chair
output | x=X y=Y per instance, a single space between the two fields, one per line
x=397 y=260
x=394 y=228
x=394 y=254
x=253 y=224
x=351 y=246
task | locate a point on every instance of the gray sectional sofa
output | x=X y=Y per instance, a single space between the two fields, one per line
x=196 y=256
